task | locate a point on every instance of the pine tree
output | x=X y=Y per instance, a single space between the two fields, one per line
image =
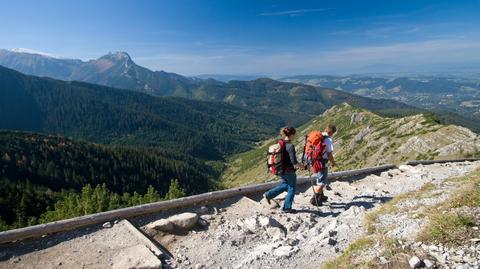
x=175 y=190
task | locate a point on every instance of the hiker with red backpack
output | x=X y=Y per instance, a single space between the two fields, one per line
x=318 y=152
x=282 y=161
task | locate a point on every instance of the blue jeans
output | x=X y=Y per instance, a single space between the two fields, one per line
x=289 y=181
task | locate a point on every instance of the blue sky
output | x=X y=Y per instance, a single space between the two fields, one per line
x=249 y=37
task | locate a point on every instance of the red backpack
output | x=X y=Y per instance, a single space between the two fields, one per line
x=314 y=149
x=275 y=157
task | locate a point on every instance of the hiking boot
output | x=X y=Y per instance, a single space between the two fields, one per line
x=314 y=201
x=266 y=199
x=322 y=197
x=290 y=211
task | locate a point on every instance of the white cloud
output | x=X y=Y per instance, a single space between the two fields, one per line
x=294 y=12
x=31 y=51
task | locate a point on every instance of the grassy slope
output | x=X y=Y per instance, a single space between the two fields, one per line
x=385 y=140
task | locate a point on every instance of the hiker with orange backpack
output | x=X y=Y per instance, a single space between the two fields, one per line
x=282 y=161
x=318 y=152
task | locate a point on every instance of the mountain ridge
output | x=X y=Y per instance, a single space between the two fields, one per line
x=365 y=139
x=107 y=115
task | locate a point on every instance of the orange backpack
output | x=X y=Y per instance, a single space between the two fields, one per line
x=314 y=149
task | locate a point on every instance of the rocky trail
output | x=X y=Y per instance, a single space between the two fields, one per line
x=246 y=232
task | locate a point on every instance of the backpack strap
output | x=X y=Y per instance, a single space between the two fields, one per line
x=325 y=161
x=282 y=143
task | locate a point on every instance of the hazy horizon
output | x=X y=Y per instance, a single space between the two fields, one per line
x=274 y=38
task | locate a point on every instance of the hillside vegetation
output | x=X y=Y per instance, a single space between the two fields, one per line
x=40 y=173
x=100 y=114
x=292 y=102
x=459 y=95
x=366 y=139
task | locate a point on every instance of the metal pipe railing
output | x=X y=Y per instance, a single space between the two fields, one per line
x=204 y=198
x=442 y=161
x=82 y=221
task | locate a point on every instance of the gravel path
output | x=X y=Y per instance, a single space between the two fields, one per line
x=250 y=235
x=242 y=232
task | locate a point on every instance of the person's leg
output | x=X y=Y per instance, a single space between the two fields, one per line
x=325 y=183
x=318 y=197
x=291 y=186
x=319 y=184
x=272 y=193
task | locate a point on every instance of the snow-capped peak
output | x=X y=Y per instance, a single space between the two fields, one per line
x=30 y=51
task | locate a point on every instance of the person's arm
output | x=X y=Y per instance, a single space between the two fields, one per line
x=331 y=159
x=293 y=156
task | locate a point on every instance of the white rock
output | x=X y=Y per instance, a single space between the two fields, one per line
x=163 y=225
x=414 y=262
x=354 y=212
x=263 y=249
x=251 y=224
x=265 y=221
x=385 y=174
x=405 y=168
x=107 y=225
x=283 y=251
x=184 y=221
x=138 y=256
x=428 y=263
x=208 y=217
x=275 y=233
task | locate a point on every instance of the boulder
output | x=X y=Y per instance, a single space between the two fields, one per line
x=265 y=222
x=184 y=221
x=428 y=263
x=406 y=168
x=251 y=224
x=415 y=262
x=138 y=256
x=275 y=233
x=283 y=251
x=163 y=225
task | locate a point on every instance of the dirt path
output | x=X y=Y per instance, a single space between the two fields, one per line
x=241 y=232
x=249 y=235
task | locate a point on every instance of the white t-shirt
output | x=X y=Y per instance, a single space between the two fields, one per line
x=329 y=146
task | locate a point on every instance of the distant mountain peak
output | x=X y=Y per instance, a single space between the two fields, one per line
x=31 y=51
x=118 y=56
